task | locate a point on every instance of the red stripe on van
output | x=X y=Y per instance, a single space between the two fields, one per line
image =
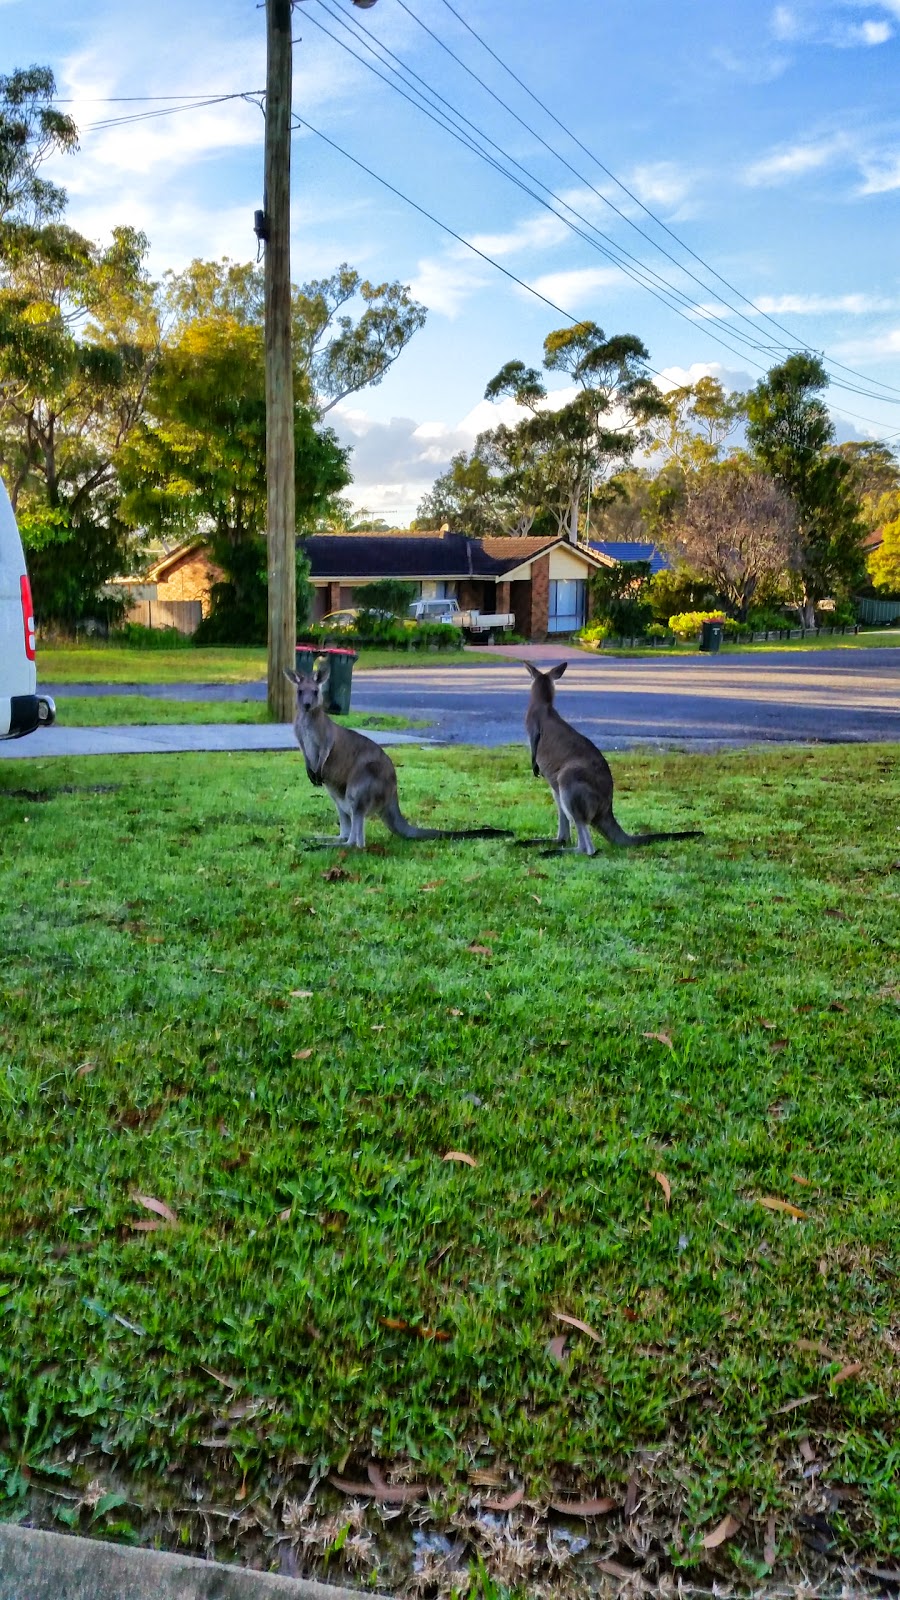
x=27 y=615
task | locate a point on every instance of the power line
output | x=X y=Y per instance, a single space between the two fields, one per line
x=128 y=99
x=301 y=122
x=582 y=178
x=168 y=111
x=647 y=212
x=253 y=95
x=620 y=253
x=638 y=271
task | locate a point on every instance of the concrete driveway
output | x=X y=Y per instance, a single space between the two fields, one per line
x=704 y=701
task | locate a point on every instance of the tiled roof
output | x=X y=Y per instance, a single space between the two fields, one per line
x=631 y=550
x=515 y=548
x=417 y=556
x=382 y=555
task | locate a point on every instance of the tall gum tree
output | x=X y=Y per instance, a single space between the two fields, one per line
x=791 y=434
x=590 y=437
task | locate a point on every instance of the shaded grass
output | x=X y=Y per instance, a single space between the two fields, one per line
x=110 y=664
x=877 y=639
x=152 y=1043
x=113 y=711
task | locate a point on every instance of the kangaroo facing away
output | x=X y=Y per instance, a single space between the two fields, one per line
x=360 y=778
x=577 y=772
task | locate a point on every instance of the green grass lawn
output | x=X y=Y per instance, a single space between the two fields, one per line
x=877 y=639
x=98 y=663
x=138 y=710
x=648 y=1057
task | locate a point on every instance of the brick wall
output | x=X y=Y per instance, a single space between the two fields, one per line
x=540 y=599
x=190 y=579
x=471 y=595
x=520 y=606
x=501 y=597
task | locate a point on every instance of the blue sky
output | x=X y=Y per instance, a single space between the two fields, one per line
x=767 y=137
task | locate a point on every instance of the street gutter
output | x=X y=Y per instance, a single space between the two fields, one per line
x=35 y=1565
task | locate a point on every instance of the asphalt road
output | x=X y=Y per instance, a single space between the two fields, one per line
x=826 y=695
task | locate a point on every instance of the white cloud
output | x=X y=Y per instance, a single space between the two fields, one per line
x=568 y=288
x=795 y=161
x=445 y=283
x=851 y=305
x=753 y=65
x=880 y=346
x=880 y=174
x=660 y=183
x=876 y=32
x=535 y=233
x=675 y=377
x=395 y=463
x=811 y=22
x=785 y=23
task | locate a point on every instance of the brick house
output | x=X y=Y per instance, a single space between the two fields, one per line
x=174 y=592
x=544 y=582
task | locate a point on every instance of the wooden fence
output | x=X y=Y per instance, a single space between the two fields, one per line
x=184 y=615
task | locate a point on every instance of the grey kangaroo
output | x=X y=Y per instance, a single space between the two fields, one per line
x=359 y=777
x=577 y=772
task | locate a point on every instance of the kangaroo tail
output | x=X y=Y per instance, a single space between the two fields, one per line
x=611 y=830
x=393 y=818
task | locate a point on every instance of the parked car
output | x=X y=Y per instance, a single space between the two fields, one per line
x=474 y=624
x=22 y=709
x=348 y=617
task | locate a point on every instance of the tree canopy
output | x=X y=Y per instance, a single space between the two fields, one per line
x=791 y=433
x=131 y=409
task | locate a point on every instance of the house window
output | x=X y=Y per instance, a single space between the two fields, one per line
x=568 y=605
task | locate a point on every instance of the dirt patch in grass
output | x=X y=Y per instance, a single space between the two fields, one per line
x=236 y=1261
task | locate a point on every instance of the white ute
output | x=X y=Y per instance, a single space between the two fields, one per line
x=22 y=709
x=473 y=623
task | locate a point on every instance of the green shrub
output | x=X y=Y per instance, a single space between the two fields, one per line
x=657 y=630
x=737 y=630
x=134 y=636
x=387 y=594
x=594 y=633
x=620 y=597
x=765 y=619
x=843 y=616
x=687 y=624
x=672 y=592
x=387 y=634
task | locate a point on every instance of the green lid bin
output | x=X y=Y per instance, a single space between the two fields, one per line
x=340 y=663
x=711 y=636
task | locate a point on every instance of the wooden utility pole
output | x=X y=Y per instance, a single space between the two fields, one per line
x=280 y=520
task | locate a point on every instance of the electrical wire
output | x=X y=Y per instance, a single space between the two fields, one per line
x=652 y=214
x=302 y=122
x=665 y=292
x=639 y=272
x=619 y=254
x=254 y=95
x=167 y=111
x=868 y=394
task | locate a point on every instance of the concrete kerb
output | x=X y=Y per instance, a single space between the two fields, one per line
x=35 y=1565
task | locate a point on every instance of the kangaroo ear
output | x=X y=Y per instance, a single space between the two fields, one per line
x=322 y=672
x=291 y=676
x=557 y=671
x=532 y=669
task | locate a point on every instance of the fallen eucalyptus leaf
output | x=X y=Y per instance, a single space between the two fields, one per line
x=726 y=1529
x=575 y=1322
x=157 y=1206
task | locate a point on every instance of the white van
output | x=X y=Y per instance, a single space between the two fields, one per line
x=22 y=709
